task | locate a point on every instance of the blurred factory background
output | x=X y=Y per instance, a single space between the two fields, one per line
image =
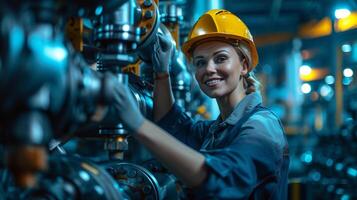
x=307 y=67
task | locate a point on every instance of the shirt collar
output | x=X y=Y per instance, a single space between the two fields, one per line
x=245 y=106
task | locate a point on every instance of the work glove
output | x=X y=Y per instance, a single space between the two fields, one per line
x=126 y=107
x=162 y=54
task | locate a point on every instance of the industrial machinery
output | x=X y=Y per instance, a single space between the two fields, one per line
x=330 y=170
x=51 y=95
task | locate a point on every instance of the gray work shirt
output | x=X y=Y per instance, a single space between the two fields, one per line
x=246 y=153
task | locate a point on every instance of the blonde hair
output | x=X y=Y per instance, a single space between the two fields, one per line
x=250 y=82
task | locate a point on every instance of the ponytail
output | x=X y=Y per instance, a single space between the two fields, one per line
x=250 y=82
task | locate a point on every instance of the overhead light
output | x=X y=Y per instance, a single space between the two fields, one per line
x=347 y=23
x=99 y=10
x=346 y=48
x=342 y=13
x=315 y=175
x=126 y=27
x=55 y=53
x=352 y=171
x=329 y=80
x=308 y=74
x=347 y=80
x=305 y=88
x=345 y=197
x=306 y=157
x=326 y=92
x=339 y=166
x=348 y=72
x=305 y=70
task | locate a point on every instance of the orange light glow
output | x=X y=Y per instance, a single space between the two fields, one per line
x=347 y=23
x=120 y=139
x=316 y=28
x=315 y=74
x=306 y=54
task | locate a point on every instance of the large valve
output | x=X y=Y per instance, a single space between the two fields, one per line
x=52 y=95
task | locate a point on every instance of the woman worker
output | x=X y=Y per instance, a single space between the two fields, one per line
x=240 y=155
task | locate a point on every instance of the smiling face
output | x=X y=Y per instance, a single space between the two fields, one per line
x=218 y=69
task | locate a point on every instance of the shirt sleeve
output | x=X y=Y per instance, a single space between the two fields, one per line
x=181 y=126
x=235 y=170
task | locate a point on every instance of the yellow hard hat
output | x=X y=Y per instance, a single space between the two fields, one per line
x=219 y=24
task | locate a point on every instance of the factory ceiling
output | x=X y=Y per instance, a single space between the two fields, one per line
x=265 y=16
